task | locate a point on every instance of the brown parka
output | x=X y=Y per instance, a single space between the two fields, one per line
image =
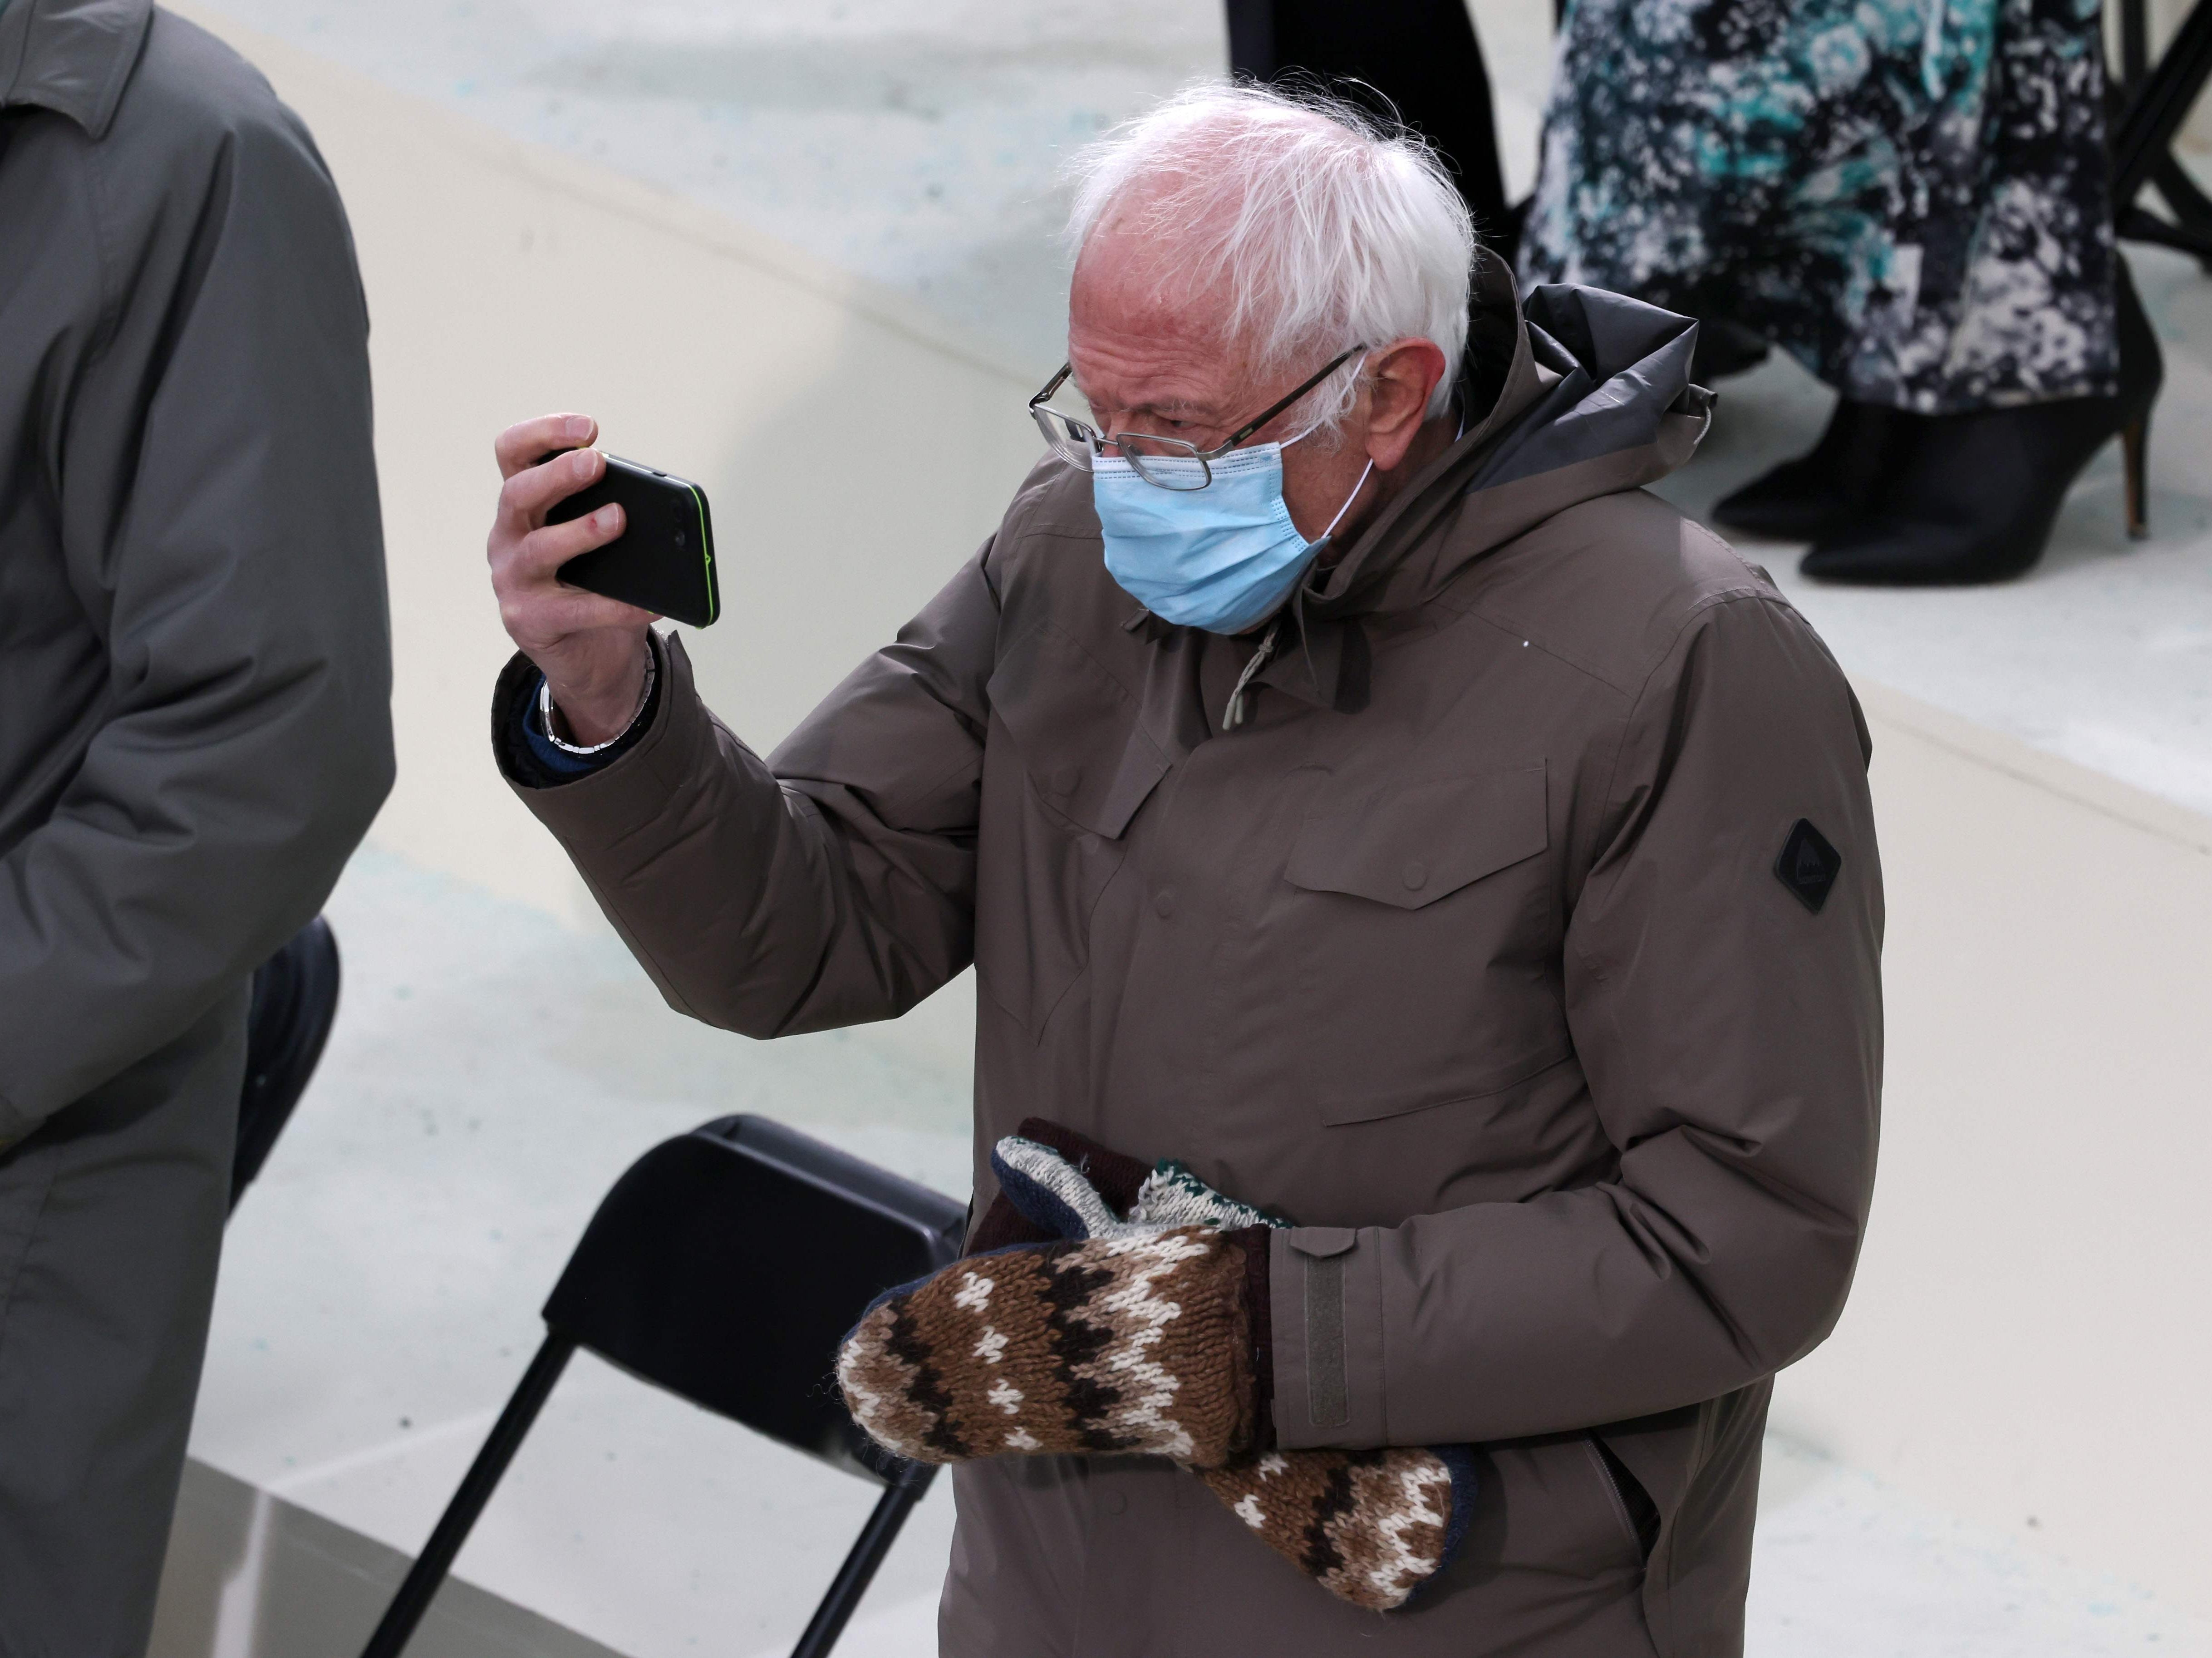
x=1489 y=947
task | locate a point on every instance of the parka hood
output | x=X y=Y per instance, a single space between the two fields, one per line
x=1593 y=396
x=1587 y=393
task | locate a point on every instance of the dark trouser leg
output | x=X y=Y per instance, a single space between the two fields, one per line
x=1420 y=54
x=110 y=1221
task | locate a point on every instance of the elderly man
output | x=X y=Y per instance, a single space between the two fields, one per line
x=1348 y=784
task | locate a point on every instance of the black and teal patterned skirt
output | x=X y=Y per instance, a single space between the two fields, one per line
x=1908 y=195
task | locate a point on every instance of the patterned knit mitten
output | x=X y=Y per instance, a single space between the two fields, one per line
x=1139 y=1343
x=1063 y=1199
x=1370 y=1526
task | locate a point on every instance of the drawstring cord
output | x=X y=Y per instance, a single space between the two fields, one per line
x=1233 y=715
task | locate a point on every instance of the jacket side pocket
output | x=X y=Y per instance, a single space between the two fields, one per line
x=1638 y=1513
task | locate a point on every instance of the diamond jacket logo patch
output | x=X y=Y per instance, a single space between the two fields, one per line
x=1808 y=865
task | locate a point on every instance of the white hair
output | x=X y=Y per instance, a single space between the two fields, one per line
x=1322 y=227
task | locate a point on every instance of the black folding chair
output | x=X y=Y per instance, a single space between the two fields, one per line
x=2155 y=102
x=725 y=1266
x=295 y=997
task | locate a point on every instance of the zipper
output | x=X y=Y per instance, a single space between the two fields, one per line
x=1620 y=1499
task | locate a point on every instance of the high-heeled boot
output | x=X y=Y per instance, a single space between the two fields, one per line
x=1828 y=488
x=1975 y=495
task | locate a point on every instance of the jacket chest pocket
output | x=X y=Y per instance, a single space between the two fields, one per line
x=1066 y=767
x=1425 y=925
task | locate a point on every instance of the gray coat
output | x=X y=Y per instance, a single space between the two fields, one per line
x=194 y=732
x=1492 y=946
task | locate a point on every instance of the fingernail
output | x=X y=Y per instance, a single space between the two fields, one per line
x=577 y=428
x=583 y=463
x=604 y=519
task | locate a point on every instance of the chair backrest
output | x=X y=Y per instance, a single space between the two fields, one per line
x=728 y=1263
x=295 y=997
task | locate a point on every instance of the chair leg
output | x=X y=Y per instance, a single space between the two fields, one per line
x=436 y=1559
x=860 y=1568
x=2135 y=43
x=2157 y=107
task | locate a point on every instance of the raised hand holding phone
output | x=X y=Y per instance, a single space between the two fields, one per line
x=590 y=648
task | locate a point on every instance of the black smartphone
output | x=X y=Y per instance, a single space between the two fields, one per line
x=664 y=559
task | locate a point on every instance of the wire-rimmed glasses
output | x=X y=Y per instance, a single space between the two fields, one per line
x=1166 y=463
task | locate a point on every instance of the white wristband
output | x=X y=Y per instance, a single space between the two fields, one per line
x=545 y=713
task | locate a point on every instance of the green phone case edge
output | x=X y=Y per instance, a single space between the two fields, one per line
x=707 y=556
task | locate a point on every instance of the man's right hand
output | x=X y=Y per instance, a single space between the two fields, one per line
x=592 y=650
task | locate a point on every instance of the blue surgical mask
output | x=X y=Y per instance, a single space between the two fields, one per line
x=1223 y=558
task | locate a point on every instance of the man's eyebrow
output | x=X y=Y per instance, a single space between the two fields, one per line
x=1177 y=406
x=1173 y=406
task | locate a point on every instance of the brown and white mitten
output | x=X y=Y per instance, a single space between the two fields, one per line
x=1140 y=1345
x=1370 y=1526
x=1144 y=1332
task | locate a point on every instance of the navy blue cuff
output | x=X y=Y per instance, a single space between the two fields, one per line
x=551 y=756
x=531 y=758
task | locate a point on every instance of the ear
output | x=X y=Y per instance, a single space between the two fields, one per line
x=1401 y=378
